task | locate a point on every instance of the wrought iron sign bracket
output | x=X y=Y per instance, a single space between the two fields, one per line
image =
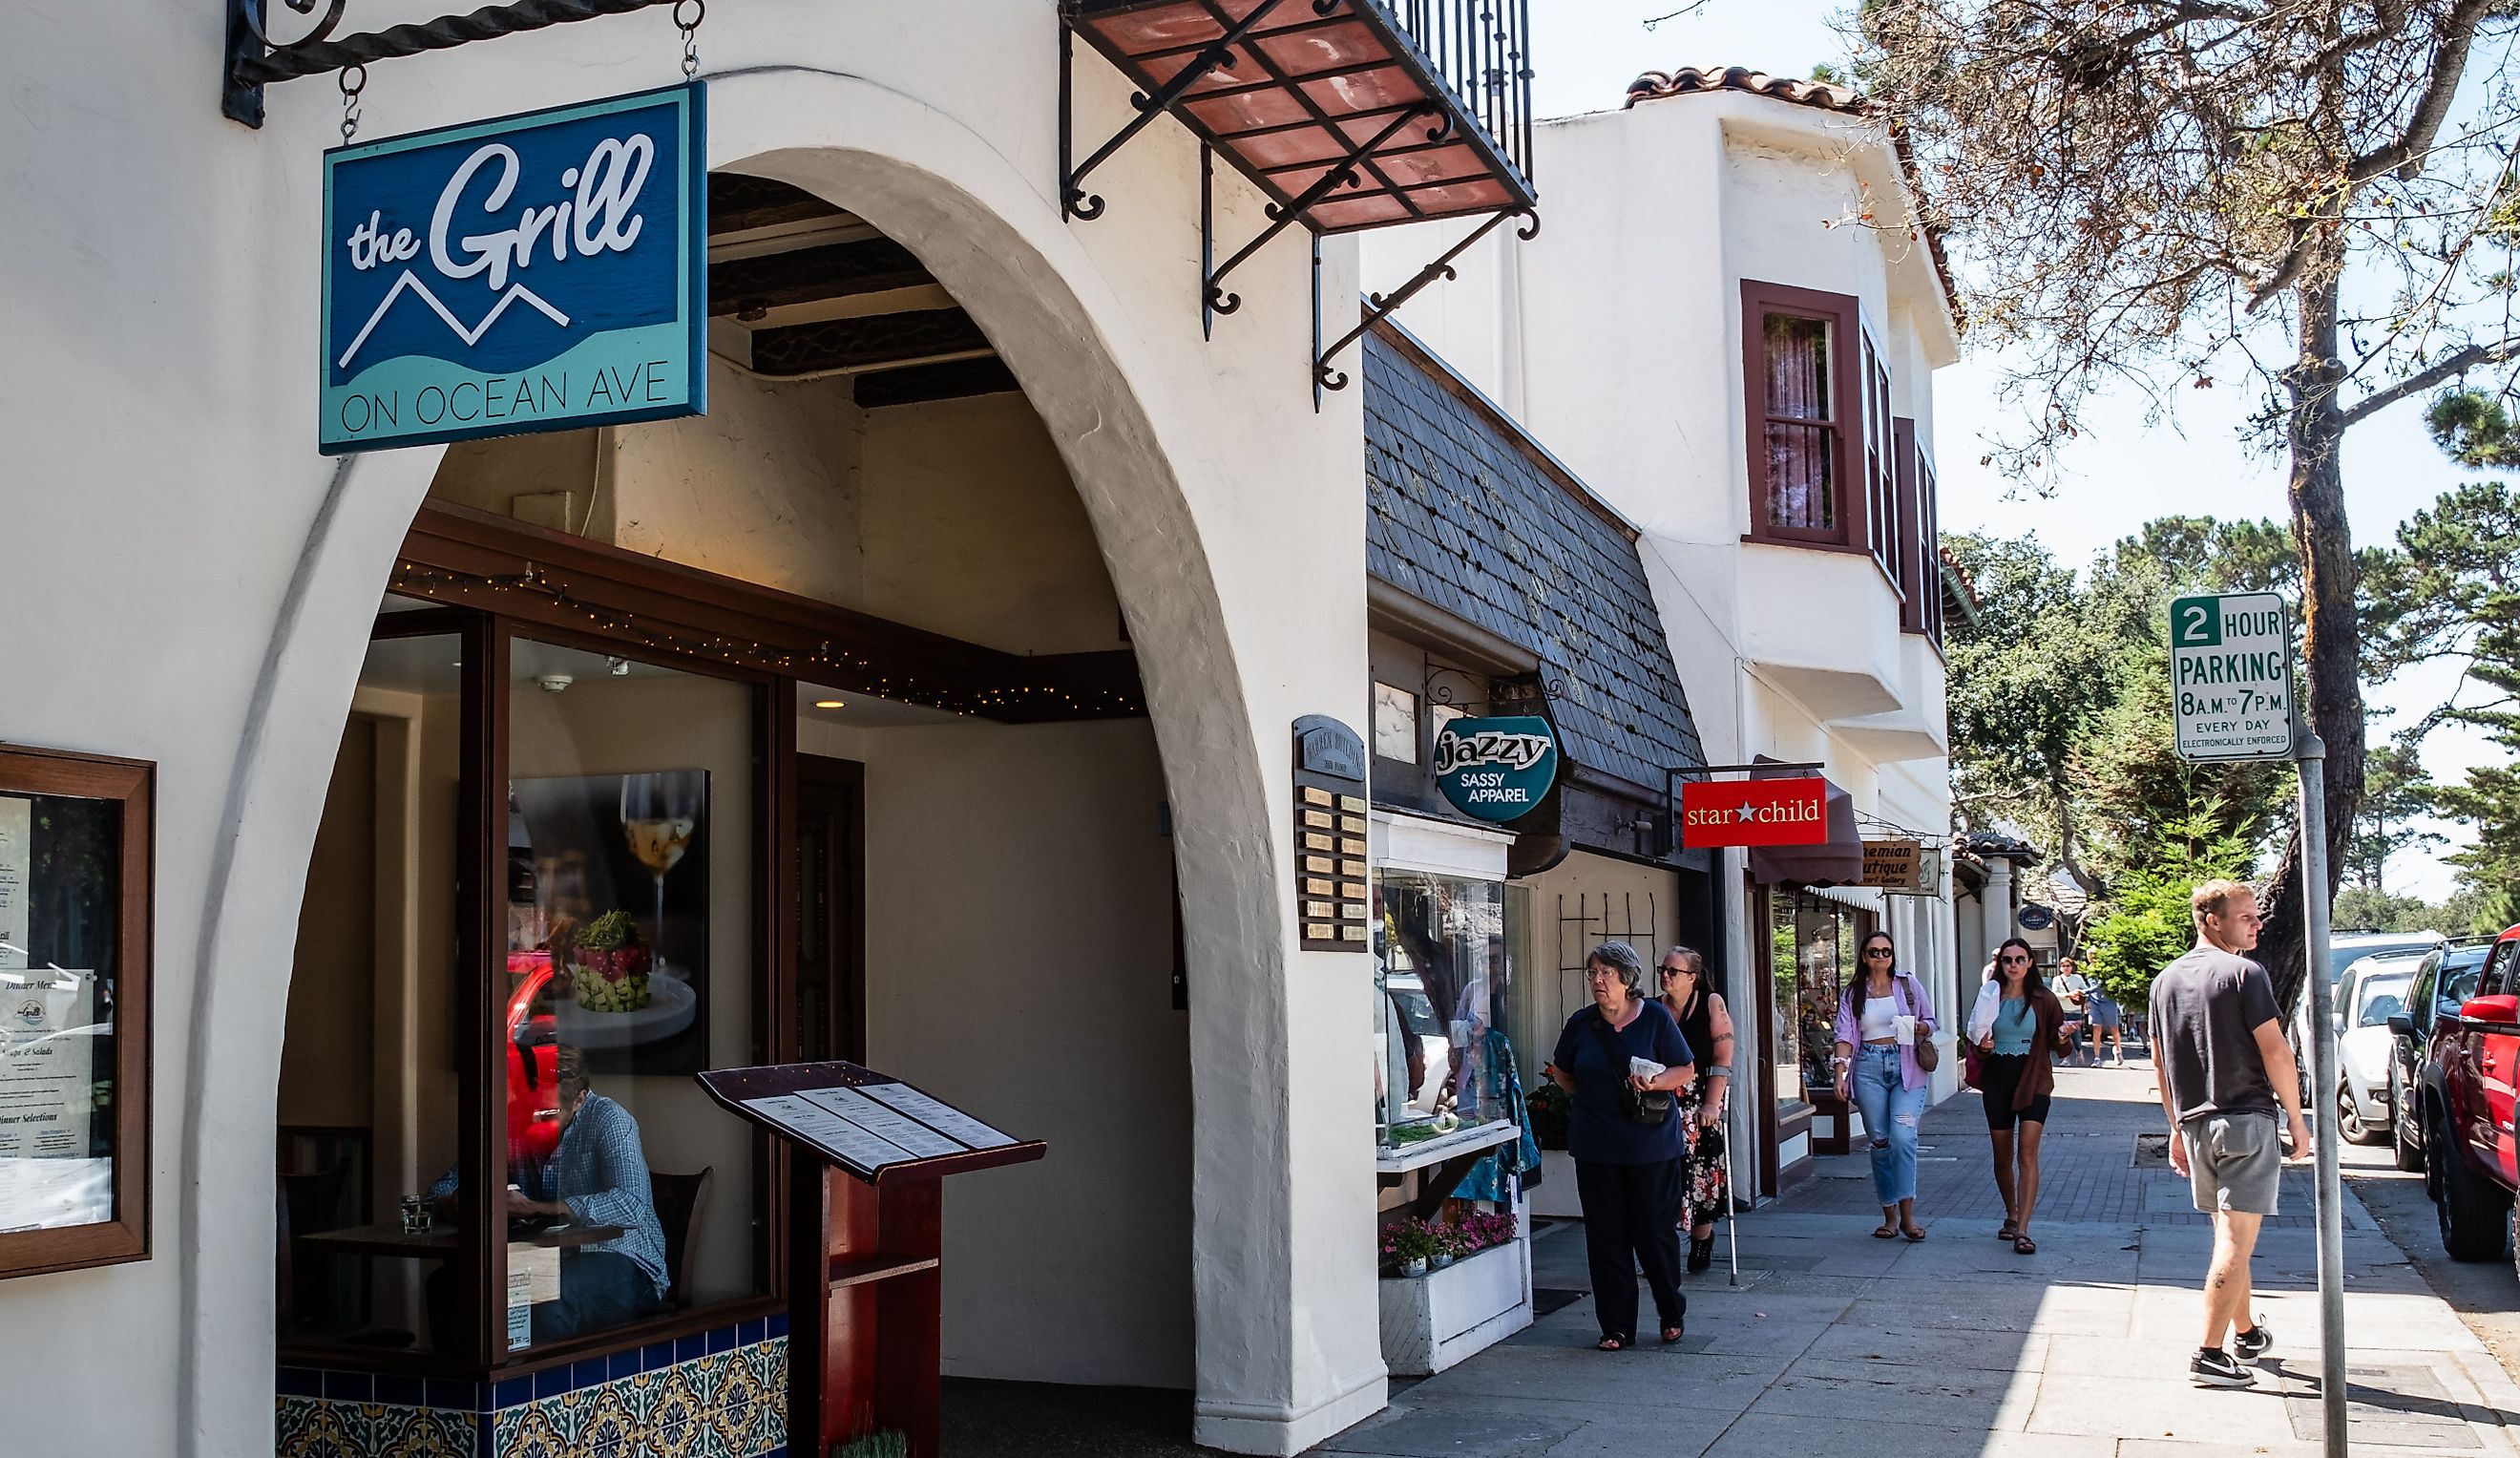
x=253 y=61
x=1073 y=199
x=1381 y=306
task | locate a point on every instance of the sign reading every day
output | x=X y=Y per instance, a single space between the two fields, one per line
x=538 y=272
x=1496 y=769
x=1792 y=811
x=2230 y=676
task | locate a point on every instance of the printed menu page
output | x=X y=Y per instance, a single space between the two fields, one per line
x=885 y=1123
x=851 y=1141
x=942 y=1117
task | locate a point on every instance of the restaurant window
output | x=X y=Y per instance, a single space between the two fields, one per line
x=628 y=967
x=1395 y=724
x=1811 y=945
x=550 y=848
x=1441 y=974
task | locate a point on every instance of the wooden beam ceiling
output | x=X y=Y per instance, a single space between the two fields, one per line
x=918 y=385
x=839 y=270
x=874 y=340
x=739 y=203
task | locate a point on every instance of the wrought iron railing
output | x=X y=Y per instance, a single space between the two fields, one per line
x=1482 y=50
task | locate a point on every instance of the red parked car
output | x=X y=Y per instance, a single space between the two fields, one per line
x=2460 y=1104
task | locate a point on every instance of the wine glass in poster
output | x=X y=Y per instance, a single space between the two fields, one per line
x=622 y=877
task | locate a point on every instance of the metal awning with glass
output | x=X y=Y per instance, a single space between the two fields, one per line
x=1349 y=115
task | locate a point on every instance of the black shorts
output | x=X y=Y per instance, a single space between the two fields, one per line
x=2004 y=1073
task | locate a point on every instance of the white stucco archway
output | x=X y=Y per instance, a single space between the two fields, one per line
x=1287 y=1345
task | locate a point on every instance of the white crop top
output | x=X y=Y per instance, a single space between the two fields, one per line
x=1880 y=1018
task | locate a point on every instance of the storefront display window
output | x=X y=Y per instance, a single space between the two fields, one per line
x=1441 y=978
x=1811 y=944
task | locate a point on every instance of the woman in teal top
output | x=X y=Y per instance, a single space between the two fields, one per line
x=2016 y=1023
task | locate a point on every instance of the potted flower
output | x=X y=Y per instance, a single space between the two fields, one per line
x=1408 y=1246
x=1547 y=1105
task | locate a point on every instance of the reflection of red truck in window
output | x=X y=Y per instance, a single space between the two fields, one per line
x=533 y=1061
x=2466 y=1060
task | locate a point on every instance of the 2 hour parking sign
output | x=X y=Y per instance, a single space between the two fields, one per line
x=2230 y=676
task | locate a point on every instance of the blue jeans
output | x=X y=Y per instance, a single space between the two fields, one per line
x=1890 y=1113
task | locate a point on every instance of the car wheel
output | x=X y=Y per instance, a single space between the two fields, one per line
x=2410 y=1154
x=2475 y=1216
x=2348 y=1121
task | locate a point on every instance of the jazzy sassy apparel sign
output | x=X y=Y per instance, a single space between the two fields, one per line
x=1496 y=769
x=1791 y=812
x=539 y=272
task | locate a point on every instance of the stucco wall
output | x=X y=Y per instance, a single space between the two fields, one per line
x=244 y=569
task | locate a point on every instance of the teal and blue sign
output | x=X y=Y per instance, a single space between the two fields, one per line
x=1496 y=769
x=539 y=272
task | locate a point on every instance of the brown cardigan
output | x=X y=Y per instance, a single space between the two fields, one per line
x=2040 y=1080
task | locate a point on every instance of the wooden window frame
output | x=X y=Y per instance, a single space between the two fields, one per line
x=1920 y=571
x=1848 y=347
x=131 y=784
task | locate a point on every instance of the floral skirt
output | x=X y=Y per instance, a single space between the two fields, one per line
x=1706 y=1184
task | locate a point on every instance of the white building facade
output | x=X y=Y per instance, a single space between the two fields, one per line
x=1728 y=328
x=1011 y=457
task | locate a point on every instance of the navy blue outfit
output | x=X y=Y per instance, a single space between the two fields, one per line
x=1630 y=1179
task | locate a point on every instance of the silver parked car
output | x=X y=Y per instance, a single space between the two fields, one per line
x=2374 y=991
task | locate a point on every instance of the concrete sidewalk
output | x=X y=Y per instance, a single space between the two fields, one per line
x=1960 y=1345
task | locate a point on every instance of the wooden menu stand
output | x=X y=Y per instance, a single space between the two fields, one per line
x=864 y=1241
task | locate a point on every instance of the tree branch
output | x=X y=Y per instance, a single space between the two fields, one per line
x=2449 y=366
x=2406 y=156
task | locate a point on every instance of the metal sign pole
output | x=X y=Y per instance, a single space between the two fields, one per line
x=2310 y=754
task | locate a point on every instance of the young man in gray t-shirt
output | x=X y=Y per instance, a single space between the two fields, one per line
x=2219 y=1043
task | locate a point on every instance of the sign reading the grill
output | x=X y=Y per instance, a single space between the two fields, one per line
x=1894 y=865
x=539 y=272
x=1335 y=895
x=1496 y=769
x=1754 y=812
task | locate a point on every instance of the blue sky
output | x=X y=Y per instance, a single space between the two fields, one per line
x=2124 y=470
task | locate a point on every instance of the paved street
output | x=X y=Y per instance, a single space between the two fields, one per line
x=1968 y=1349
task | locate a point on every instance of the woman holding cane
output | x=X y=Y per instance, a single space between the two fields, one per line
x=1707 y=1029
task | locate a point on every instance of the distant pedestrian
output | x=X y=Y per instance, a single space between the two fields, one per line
x=1707 y=1027
x=2103 y=1017
x=2219 y=1044
x=1883 y=1019
x=2016 y=1024
x=1629 y=1144
x=2074 y=992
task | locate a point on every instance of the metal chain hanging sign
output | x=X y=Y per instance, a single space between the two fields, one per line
x=539 y=272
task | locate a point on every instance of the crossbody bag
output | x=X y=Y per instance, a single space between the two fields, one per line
x=1651 y=1107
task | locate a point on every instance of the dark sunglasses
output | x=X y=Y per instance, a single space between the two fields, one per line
x=1680 y=971
x=2013 y=961
x=1879 y=951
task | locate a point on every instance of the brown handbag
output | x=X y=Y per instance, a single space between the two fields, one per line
x=1928 y=1056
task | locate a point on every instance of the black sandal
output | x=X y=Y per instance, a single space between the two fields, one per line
x=1701 y=1253
x=1611 y=1343
x=1886 y=1233
x=1672 y=1334
x=2023 y=1244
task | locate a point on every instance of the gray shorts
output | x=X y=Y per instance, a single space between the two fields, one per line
x=2234 y=1161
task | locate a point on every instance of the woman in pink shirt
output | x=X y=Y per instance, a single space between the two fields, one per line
x=1877 y=1072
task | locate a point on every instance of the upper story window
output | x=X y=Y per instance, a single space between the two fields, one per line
x=1918 y=561
x=1822 y=465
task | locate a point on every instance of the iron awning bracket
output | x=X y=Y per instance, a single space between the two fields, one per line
x=1214 y=301
x=1379 y=306
x=253 y=61
x=1073 y=198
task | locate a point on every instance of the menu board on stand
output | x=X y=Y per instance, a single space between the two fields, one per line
x=864 y=1244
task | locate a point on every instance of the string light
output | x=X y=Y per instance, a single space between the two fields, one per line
x=822 y=663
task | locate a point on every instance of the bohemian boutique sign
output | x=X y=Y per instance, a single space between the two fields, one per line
x=1754 y=812
x=1496 y=769
x=540 y=272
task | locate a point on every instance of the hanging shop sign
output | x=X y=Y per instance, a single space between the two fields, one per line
x=1496 y=769
x=1894 y=865
x=540 y=272
x=2033 y=917
x=1792 y=811
x=1336 y=896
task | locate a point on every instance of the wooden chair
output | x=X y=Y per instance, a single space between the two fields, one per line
x=678 y=1199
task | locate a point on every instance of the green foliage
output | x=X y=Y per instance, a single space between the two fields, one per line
x=2472 y=427
x=2368 y=907
x=886 y=1445
x=2396 y=794
x=2147 y=923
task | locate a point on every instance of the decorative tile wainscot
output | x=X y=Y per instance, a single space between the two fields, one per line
x=719 y=1395
x=1432 y=1321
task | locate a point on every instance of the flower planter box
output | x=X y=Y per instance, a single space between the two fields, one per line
x=1432 y=1321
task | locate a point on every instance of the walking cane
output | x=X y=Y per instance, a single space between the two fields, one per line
x=1733 y=1206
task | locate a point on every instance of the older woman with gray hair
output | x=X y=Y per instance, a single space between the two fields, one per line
x=1623 y=1061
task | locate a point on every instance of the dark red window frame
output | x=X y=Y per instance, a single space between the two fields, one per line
x=1862 y=459
x=1919 y=569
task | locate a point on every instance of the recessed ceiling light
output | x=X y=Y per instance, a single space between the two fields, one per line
x=828 y=704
